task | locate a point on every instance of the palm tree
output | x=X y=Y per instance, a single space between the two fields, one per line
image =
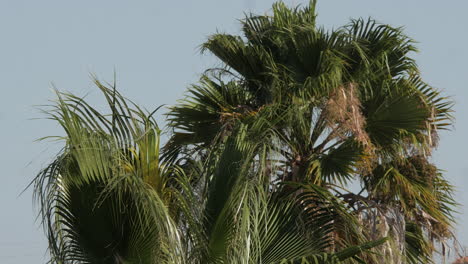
x=337 y=105
x=261 y=154
x=108 y=197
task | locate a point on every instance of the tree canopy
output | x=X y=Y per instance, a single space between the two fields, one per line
x=261 y=156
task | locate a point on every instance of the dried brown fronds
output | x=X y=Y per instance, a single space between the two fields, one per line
x=344 y=116
x=344 y=110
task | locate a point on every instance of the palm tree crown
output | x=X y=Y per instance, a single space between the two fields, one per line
x=260 y=156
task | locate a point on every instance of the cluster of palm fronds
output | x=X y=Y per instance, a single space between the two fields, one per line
x=260 y=154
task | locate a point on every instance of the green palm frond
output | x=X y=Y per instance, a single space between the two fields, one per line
x=417 y=249
x=103 y=195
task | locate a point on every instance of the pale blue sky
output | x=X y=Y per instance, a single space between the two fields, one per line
x=153 y=46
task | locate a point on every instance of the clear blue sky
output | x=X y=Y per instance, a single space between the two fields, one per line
x=153 y=46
